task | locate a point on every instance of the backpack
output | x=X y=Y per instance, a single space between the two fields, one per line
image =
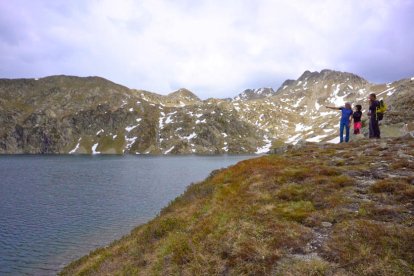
x=381 y=109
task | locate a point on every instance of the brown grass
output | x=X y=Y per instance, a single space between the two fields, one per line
x=250 y=218
x=401 y=188
x=365 y=247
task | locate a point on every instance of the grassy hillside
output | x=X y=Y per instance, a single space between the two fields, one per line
x=315 y=210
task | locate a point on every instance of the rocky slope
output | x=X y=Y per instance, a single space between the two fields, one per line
x=318 y=209
x=62 y=114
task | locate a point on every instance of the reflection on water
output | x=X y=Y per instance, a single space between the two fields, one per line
x=54 y=209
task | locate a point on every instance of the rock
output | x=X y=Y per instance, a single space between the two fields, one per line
x=383 y=146
x=357 y=137
x=279 y=146
x=408 y=136
x=326 y=224
x=401 y=154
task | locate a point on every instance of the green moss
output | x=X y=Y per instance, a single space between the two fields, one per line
x=177 y=246
x=298 y=174
x=159 y=228
x=129 y=269
x=296 y=210
x=293 y=192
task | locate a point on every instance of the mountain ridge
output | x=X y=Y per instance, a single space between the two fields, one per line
x=69 y=114
x=307 y=74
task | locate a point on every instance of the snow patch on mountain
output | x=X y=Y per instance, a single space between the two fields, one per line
x=129 y=128
x=130 y=141
x=294 y=139
x=298 y=102
x=201 y=121
x=266 y=147
x=226 y=147
x=94 y=147
x=169 y=150
x=389 y=91
x=191 y=136
x=301 y=127
x=161 y=120
x=334 y=140
x=335 y=98
x=316 y=139
x=76 y=147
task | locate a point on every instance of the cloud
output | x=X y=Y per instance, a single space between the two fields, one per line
x=215 y=48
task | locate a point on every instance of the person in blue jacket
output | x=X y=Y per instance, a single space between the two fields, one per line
x=345 y=121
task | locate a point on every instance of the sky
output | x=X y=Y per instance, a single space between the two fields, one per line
x=215 y=48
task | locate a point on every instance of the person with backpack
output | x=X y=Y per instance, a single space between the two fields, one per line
x=356 y=116
x=381 y=110
x=374 y=105
x=345 y=122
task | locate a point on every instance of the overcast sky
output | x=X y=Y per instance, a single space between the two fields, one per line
x=214 y=48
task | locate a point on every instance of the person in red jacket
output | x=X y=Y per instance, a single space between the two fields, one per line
x=356 y=117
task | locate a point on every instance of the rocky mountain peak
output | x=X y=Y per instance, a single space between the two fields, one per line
x=307 y=74
x=331 y=75
x=74 y=80
x=326 y=76
x=340 y=77
x=183 y=94
x=254 y=94
x=285 y=84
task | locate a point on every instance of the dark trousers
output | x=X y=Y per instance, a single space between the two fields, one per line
x=374 y=130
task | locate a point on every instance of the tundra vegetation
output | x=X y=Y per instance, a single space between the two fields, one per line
x=316 y=209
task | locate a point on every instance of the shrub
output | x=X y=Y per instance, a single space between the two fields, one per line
x=160 y=227
x=295 y=210
x=365 y=247
x=389 y=185
x=341 y=181
x=292 y=192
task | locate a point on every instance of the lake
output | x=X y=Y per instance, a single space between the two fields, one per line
x=54 y=209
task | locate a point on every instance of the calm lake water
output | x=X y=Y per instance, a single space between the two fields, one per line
x=54 y=209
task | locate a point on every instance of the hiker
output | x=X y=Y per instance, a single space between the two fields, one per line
x=374 y=130
x=345 y=121
x=356 y=117
x=382 y=108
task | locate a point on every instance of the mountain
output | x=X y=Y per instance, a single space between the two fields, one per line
x=315 y=210
x=253 y=94
x=66 y=114
x=183 y=94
